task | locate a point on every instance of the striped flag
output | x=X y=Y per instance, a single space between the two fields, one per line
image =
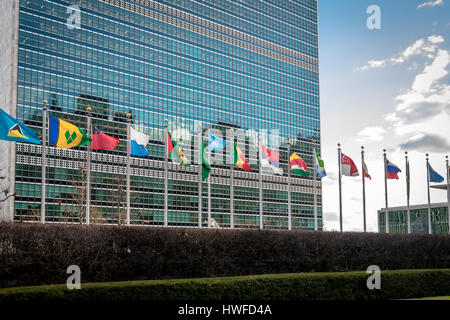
x=271 y=159
x=298 y=165
x=65 y=135
x=175 y=152
x=239 y=159
x=392 y=170
x=320 y=166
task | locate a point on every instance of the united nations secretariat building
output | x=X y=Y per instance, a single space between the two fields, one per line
x=211 y=64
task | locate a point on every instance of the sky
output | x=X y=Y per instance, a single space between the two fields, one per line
x=385 y=88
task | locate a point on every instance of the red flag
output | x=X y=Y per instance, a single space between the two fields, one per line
x=348 y=167
x=101 y=141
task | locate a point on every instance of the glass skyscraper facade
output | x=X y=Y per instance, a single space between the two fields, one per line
x=398 y=219
x=242 y=64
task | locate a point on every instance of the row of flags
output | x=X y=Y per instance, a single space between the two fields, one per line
x=349 y=168
x=63 y=134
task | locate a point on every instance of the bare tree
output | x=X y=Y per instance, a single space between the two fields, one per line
x=5 y=191
x=120 y=196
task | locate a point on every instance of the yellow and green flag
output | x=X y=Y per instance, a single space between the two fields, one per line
x=65 y=135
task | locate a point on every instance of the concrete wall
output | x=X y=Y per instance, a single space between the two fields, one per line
x=9 y=18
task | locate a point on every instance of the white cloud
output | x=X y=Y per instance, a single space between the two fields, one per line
x=433 y=72
x=372 y=133
x=427 y=143
x=423 y=47
x=373 y=64
x=430 y=3
x=426 y=98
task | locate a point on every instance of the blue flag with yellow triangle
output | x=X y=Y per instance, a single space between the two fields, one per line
x=13 y=130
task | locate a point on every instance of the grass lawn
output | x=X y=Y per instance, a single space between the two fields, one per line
x=433 y=298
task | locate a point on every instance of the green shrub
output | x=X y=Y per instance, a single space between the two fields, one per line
x=304 y=286
x=36 y=254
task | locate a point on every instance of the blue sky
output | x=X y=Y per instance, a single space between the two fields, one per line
x=383 y=89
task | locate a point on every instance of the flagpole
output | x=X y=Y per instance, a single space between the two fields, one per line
x=88 y=167
x=430 y=230
x=231 y=147
x=44 y=157
x=340 y=186
x=408 y=211
x=385 y=191
x=209 y=182
x=316 y=223
x=289 y=184
x=128 y=167
x=200 y=164
x=363 y=188
x=448 y=193
x=166 y=173
x=260 y=185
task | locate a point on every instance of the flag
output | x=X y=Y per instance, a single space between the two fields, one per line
x=215 y=143
x=392 y=170
x=408 y=179
x=175 y=153
x=101 y=141
x=434 y=176
x=348 y=167
x=206 y=168
x=13 y=130
x=271 y=159
x=138 y=142
x=65 y=135
x=239 y=159
x=298 y=165
x=320 y=166
x=365 y=171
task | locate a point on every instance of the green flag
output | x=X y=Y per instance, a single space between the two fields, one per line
x=205 y=163
x=175 y=152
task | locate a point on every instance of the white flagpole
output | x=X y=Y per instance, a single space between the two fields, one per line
x=340 y=186
x=408 y=185
x=88 y=168
x=231 y=148
x=128 y=168
x=209 y=183
x=316 y=222
x=44 y=158
x=260 y=185
x=385 y=191
x=430 y=229
x=289 y=184
x=166 y=173
x=363 y=188
x=448 y=193
x=200 y=164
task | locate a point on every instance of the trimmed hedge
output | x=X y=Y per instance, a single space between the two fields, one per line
x=306 y=286
x=36 y=254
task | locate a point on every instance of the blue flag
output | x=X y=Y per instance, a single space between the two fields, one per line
x=13 y=130
x=434 y=176
x=216 y=143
